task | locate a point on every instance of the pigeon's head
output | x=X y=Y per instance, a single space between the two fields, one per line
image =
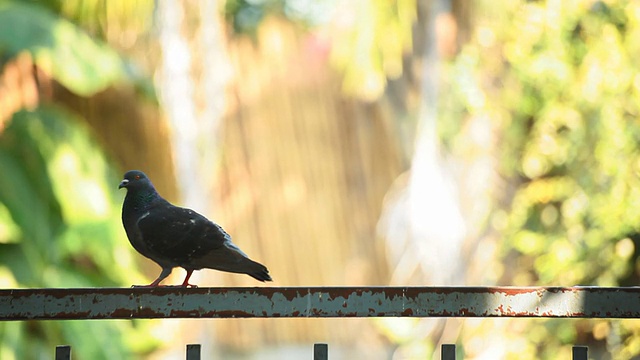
x=135 y=179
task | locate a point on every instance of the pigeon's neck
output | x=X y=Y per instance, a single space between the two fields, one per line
x=141 y=200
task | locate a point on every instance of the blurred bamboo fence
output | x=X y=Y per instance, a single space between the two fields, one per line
x=304 y=173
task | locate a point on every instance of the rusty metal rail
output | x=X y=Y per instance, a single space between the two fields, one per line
x=319 y=302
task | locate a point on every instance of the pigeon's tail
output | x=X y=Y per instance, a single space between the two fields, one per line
x=240 y=264
x=258 y=271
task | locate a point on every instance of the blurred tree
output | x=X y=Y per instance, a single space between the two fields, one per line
x=560 y=82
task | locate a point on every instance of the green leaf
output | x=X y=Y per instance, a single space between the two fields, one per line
x=28 y=196
x=9 y=231
x=80 y=63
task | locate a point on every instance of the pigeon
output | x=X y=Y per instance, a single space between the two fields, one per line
x=173 y=236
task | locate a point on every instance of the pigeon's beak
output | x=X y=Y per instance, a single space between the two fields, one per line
x=123 y=183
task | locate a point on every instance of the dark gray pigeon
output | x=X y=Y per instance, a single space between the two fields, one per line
x=177 y=237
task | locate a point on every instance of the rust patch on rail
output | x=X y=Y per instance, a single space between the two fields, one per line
x=72 y=315
x=407 y=312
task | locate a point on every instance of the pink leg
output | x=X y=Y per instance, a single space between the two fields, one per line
x=185 y=283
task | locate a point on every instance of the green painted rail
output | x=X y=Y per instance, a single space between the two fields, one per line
x=319 y=302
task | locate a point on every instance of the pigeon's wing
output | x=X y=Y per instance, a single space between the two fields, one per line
x=178 y=234
x=187 y=239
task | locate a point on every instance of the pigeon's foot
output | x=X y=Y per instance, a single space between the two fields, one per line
x=185 y=283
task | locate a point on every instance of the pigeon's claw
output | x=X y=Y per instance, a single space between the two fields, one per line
x=155 y=283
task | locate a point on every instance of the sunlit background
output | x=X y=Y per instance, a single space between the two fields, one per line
x=340 y=142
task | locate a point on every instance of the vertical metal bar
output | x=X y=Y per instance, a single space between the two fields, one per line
x=63 y=352
x=193 y=352
x=320 y=352
x=448 y=352
x=580 y=352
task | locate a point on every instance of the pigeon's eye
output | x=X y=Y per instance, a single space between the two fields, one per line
x=137 y=177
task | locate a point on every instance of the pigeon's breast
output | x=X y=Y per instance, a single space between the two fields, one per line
x=130 y=222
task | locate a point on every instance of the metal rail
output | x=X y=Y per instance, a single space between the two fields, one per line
x=319 y=302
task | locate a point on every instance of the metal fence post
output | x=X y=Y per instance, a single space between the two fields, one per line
x=193 y=352
x=580 y=352
x=320 y=352
x=63 y=352
x=448 y=352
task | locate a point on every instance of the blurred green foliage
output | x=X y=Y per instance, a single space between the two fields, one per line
x=57 y=187
x=567 y=108
x=561 y=82
x=80 y=63
x=59 y=207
